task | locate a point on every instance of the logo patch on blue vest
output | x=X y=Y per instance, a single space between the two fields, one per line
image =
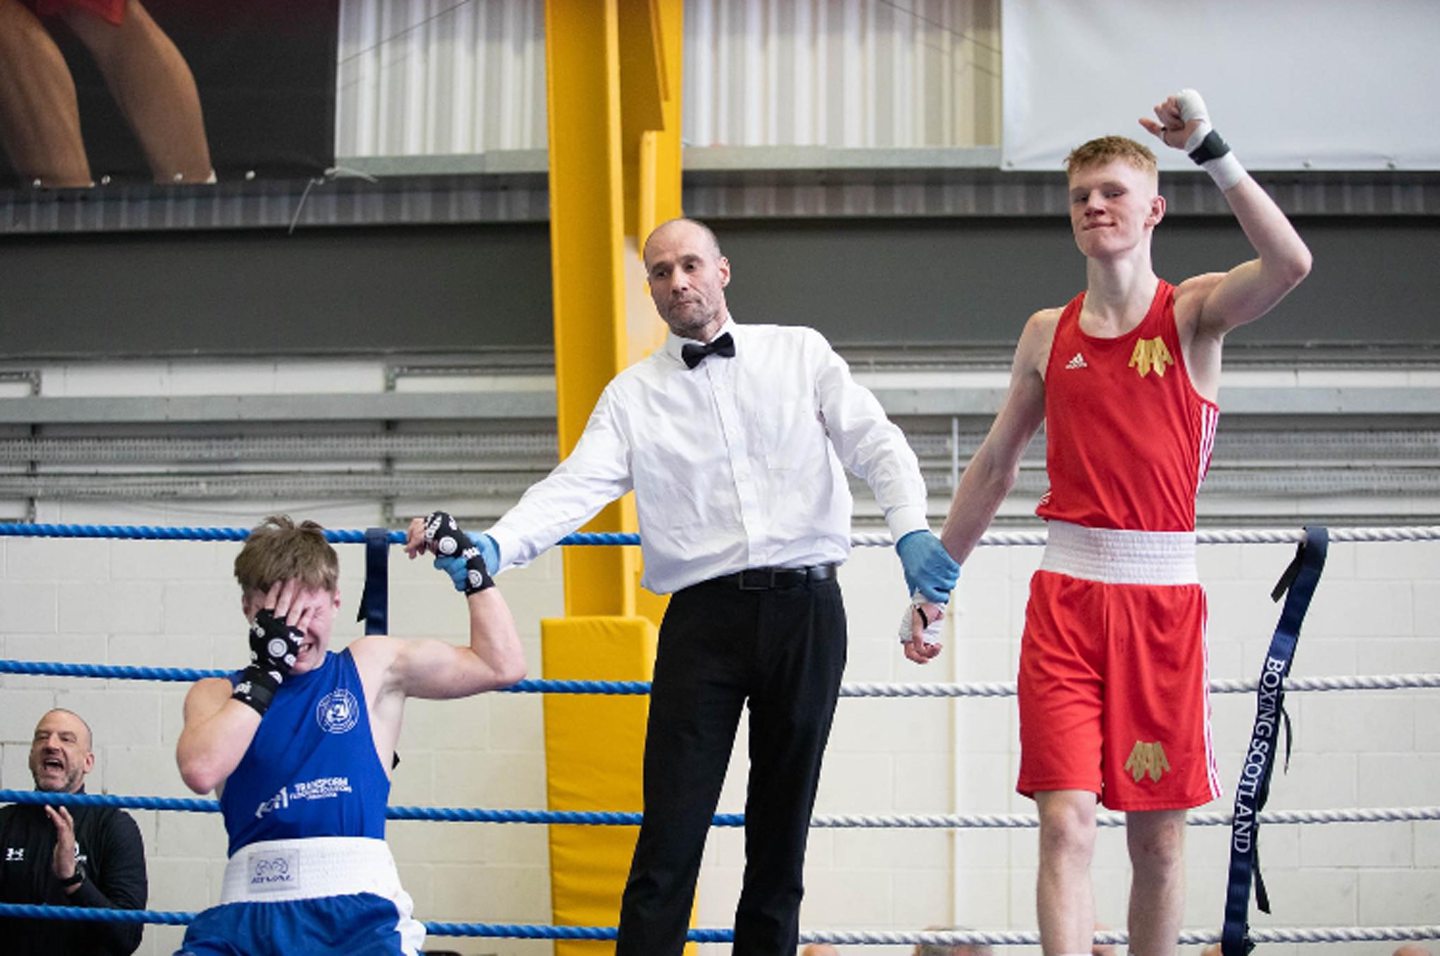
x=337 y=712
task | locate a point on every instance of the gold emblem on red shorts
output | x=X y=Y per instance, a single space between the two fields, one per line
x=1151 y=355
x=1147 y=758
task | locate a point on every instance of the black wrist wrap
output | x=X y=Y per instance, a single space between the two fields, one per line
x=1211 y=147
x=256 y=689
x=477 y=576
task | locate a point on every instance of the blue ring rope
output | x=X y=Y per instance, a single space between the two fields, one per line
x=162 y=533
x=88 y=914
x=436 y=928
x=191 y=674
x=443 y=814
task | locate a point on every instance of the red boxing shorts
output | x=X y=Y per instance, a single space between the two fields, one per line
x=111 y=10
x=1114 y=689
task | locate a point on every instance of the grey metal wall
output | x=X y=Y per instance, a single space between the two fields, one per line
x=954 y=282
x=971 y=281
x=325 y=291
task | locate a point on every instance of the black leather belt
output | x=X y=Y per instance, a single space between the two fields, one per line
x=765 y=579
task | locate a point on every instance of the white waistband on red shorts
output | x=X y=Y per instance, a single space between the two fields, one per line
x=1112 y=556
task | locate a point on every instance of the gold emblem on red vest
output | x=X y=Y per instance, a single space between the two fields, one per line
x=1147 y=758
x=1151 y=355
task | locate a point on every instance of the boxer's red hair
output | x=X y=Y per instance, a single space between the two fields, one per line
x=1107 y=149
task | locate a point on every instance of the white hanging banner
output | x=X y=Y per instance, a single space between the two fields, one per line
x=1319 y=84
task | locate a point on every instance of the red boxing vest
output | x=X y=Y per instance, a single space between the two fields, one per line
x=1128 y=439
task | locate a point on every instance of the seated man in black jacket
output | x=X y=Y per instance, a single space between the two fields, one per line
x=80 y=856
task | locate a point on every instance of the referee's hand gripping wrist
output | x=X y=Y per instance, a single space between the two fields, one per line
x=467 y=562
x=929 y=570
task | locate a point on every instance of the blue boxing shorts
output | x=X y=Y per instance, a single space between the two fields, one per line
x=315 y=895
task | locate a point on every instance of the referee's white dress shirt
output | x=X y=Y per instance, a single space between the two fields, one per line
x=735 y=464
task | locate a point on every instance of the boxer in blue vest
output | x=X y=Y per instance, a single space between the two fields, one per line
x=299 y=746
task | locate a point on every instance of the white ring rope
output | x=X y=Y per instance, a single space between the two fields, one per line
x=1302 y=934
x=1029 y=821
x=1216 y=536
x=1007 y=688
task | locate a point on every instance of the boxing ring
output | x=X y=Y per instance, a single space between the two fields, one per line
x=942 y=822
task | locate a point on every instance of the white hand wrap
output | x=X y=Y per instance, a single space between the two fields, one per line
x=1192 y=107
x=1205 y=145
x=930 y=614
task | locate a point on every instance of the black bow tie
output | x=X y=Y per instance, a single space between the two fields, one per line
x=694 y=353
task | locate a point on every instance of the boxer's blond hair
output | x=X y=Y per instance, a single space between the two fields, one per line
x=1107 y=149
x=278 y=549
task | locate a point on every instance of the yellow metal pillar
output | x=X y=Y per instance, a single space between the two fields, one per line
x=613 y=95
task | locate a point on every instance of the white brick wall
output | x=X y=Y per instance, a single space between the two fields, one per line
x=173 y=604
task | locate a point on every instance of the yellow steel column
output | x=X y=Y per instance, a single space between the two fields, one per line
x=613 y=80
x=586 y=250
x=651 y=58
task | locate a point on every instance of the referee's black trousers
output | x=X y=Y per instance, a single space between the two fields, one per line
x=783 y=650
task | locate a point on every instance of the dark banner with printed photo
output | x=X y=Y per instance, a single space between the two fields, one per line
x=166 y=91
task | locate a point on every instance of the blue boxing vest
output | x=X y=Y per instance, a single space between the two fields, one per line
x=311 y=770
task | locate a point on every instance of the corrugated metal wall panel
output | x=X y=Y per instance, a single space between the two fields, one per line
x=440 y=77
x=842 y=73
x=752 y=192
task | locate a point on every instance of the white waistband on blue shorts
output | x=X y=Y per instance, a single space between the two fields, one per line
x=274 y=870
x=1112 y=556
